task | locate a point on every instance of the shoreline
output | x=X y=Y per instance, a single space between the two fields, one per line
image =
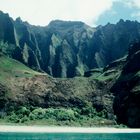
x=46 y=129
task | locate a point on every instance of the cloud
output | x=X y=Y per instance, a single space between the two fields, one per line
x=134 y=4
x=131 y=3
x=41 y=12
x=136 y=14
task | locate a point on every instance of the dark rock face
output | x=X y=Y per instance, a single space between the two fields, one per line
x=112 y=41
x=67 y=49
x=3 y=96
x=6 y=29
x=127 y=90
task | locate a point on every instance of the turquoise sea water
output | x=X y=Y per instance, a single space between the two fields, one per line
x=68 y=136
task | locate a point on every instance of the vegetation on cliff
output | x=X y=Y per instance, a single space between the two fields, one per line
x=98 y=75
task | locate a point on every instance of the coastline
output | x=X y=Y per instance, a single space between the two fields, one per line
x=44 y=129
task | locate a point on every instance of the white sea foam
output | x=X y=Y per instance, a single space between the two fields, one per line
x=43 y=129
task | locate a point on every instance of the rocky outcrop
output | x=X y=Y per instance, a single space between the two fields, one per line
x=65 y=48
x=3 y=96
x=127 y=90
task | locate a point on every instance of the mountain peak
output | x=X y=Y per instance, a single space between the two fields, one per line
x=61 y=23
x=18 y=19
x=3 y=14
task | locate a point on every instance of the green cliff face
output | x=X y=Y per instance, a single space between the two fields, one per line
x=108 y=70
x=65 y=48
x=114 y=89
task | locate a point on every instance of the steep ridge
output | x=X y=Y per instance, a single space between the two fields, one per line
x=63 y=49
x=127 y=90
x=66 y=48
x=112 y=41
x=113 y=90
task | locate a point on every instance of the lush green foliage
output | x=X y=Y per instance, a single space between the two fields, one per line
x=56 y=116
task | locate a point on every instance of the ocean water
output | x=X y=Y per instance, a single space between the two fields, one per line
x=69 y=136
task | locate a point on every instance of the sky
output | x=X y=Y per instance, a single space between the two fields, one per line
x=92 y=12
